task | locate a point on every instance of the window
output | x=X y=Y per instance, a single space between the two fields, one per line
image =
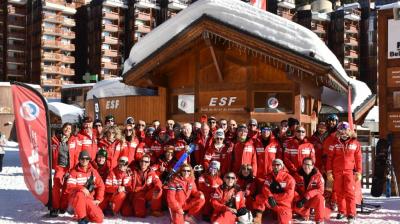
x=183 y=104
x=273 y=102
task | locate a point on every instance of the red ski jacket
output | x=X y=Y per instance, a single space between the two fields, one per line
x=128 y=149
x=222 y=155
x=320 y=159
x=265 y=155
x=295 y=152
x=344 y=156
x=202 y=144
x=88 y=143
x=207 y=184
x=179 y=190
x=244 y=153
x=223 y=195
x=119 y=178
x=73 y=148
x=145 y=180
x=315 y=185
x=113 y=151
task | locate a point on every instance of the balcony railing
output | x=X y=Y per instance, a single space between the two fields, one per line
x=15 y=60
x=16 y=22
x=110 y=27
x=51 y=69
x=110 y=53
x=147 y=3
x=50 y=43
x=67 y=34
x=47 y=56
x=68 y=22
x=52 y=95
x=50 y=30
x=351 y=54
x=15 y=47
x=351 y=66
x=51 y=82
x=352 y=41
x=16 y=35
x=109 y=65
x=142 y=16
x=350 y=28
x=52 y=18
x=67 y=47
x=110 y=40
x=178 y=4
x=285 y=14
x=111 y=15
x=142 y=28
x=68 y=59
x=318 y=28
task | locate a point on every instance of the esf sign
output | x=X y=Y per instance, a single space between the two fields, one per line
x=222 y=101
x=393 y=39
x=112 y=104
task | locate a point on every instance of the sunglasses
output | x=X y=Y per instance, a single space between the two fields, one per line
x=213 y=122
x=186 y=171
x=123 y=162
x=223 y=124
x=141 y=125
x=98 y=125
x=84 y=158
x=307 y=164
x=219 y=138
x=276 y=164
x=230 y=177
x=301 y=131
x=129 y=130
x=145 y=161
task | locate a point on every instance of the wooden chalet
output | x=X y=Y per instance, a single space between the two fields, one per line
x=217 y=69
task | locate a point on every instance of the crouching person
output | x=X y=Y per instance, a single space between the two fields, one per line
x=86 y=190
x=309 y=191
x=277 y=194
x=183 y=198
x=146 y=187
x=227 y=200
x=118 y=186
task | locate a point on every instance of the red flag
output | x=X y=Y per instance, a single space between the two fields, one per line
x=349 y=110
x=262 y=4
x=31 y=123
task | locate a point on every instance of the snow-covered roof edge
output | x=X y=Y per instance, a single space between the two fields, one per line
x=388 y=6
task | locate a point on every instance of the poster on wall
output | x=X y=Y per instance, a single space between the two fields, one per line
x=393 y=39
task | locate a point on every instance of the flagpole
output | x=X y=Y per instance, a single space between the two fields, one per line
x=49 y=203
x=349 y=108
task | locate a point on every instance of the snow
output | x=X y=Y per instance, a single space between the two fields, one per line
x=68 y=113
x=68 y=86
x=19 y=206
x=114 y=88
x=389 y=6
x=257 y=22
x=373 y=114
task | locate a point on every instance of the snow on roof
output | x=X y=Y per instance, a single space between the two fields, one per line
x=373 y=114
x=68 y=86
x=354 y=5
x=251 y=20
x=35 y=86
x=68 y=113
x=389 y=6
x=114 y=88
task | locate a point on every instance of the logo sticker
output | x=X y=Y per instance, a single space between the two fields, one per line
x=29 y=110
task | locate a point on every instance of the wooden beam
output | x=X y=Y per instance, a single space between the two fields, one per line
x=214 y=57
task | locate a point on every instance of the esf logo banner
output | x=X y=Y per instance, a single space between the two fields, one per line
x=29 y=110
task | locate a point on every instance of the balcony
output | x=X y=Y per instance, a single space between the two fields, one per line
x=110 y=40
x=51 y=82
x=110 y=27
x=68 y=22
x=147 y=4
x=348 y=66
x=16 y=10
x=15 y=60
x=64 y=82
x=353 y=14
x=142 y=16
x=16 y=35
x=109 y=53
x=142 y=28
x=178 y=4
x=67 y=47
x=67 y=34
x=318 y=28
x=52 y=95
x=288 y=4
x=351 y=41
x=350 y=28
x=111 y=15
x=51 y=69
x=51 y=31
x=52 y=44
x=47 y=56
x=285 y=13
x=16 y=48
x=66 y=71
x=52 y=18
x=351 y=54
x=68 y=59
x=16 y=72
x=109 y=65
x=16 y=22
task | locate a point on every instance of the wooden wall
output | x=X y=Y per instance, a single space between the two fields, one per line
x=389 y=113
x=6 y=110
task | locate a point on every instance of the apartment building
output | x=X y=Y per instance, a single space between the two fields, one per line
x=53 y=45
x=14 y=47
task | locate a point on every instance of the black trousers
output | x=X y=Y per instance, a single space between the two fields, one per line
x=1 y=162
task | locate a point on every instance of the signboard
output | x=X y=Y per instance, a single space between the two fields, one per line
x=393 y=121
x=222 y=101
x=393 y=39
x=393 y=77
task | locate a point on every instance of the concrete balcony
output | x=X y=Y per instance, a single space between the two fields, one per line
x=52 y=95
x=109 y=53
x=51 y=31
x=351 y=67
x=68 y=59
x=66 y=71
x=178 y=4
x=67 y=47
x=142 y=16
x=16 y=48
x=350 y=28
x=51 y=69
x=110 y=40
x=51 y=82
x=65 y=82
x=351 y=54
x=67 y=34
x=16 y=35
x=68 y=22
x=109 y=65
x=142 y=28
x=52 y=44
x=111 y=15
x=351 y=41
x=288 y=4
x=47 y=56
x=147 y=4
x=52 y=18
x=110 y=27
x=15 y=60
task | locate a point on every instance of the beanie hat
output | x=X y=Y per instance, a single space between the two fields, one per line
x=219 y=133
x=129 y=120
x=253 y=121
x=110 y=117
x=84 y=154
x=343 y=126
x=292 y=121
x=242 y=127
x=123 y=158
x=101 y=152
x=278 y=161
x=215 y=165
x=87 y=119
x=150 y=130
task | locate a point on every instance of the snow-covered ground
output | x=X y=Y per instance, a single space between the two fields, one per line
x=17 y=205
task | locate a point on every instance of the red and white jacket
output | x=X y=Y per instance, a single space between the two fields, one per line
x=295 y=152
x=73 y=148
x=265 y=155
x=78 y=178
x=113 y=151
x=344 y=156
x=88 y=143
x=143 y=181
x=202 y=143
x=315 y=185
x=244 y=153
x=179 y=190
x=128 y=149
x=207 y=184
x=119 y=178
x=222 y=155
x=223 y=195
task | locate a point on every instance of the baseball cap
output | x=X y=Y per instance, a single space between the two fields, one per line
x=87 y=119
x=130 y=120
x=219 y=133
x=253 y=121
x=84 y=154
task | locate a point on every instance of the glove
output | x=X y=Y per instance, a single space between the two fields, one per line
x=272 y=202
x=301 y=203
x=329 y=176
x=275 y=187
x=357 y=176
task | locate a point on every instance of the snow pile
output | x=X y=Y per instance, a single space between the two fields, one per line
x=114 y=88
x=252 y=20
x=68 y=113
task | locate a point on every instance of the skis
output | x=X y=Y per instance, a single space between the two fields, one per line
x=380 y=168
x=180 y=162
x=390 y=173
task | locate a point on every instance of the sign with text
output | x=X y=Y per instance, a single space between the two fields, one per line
x=394 y=121
x=393 y=39
x=393 y=77
x=222 y=101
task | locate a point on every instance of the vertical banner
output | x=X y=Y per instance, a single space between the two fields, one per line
x=262 y=4
x=31 y=121
x=96 y=108
x=349 y=109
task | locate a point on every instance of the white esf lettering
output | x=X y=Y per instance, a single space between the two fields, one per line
x=223 y=101
x=112 y=104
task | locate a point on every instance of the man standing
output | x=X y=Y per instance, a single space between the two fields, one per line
x=244 y=151
x=87 y=139
x=266 y=148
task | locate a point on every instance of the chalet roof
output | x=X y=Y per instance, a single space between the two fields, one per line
x=250 y=20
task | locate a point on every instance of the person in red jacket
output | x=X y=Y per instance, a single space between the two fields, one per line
x=101 y=164
x=112 y=144
x=317 y=139
x=129 y=142
x=344 y=167
x=183 y=199
x=144 y=146
x=219 y=151
x=161 y=141
x=87 y=139
x=184 y=140
x=230 y=135
x=141 y=130
x=309 y=192
x=207 y=183
x=253 y=129
x=203 y=141
x=244 y=151
x=170 y=129
x=297 y=149
x=277 y=194
x=65 y=149
x=212 y=122
x=146 y=187
x=165 y=163
x=117 y=186
x=266 y=148
x=98 y=129
x=248 y=184
x=227 y=200
x=86 y=190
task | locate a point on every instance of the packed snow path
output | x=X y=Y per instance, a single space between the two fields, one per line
x=17 y=205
